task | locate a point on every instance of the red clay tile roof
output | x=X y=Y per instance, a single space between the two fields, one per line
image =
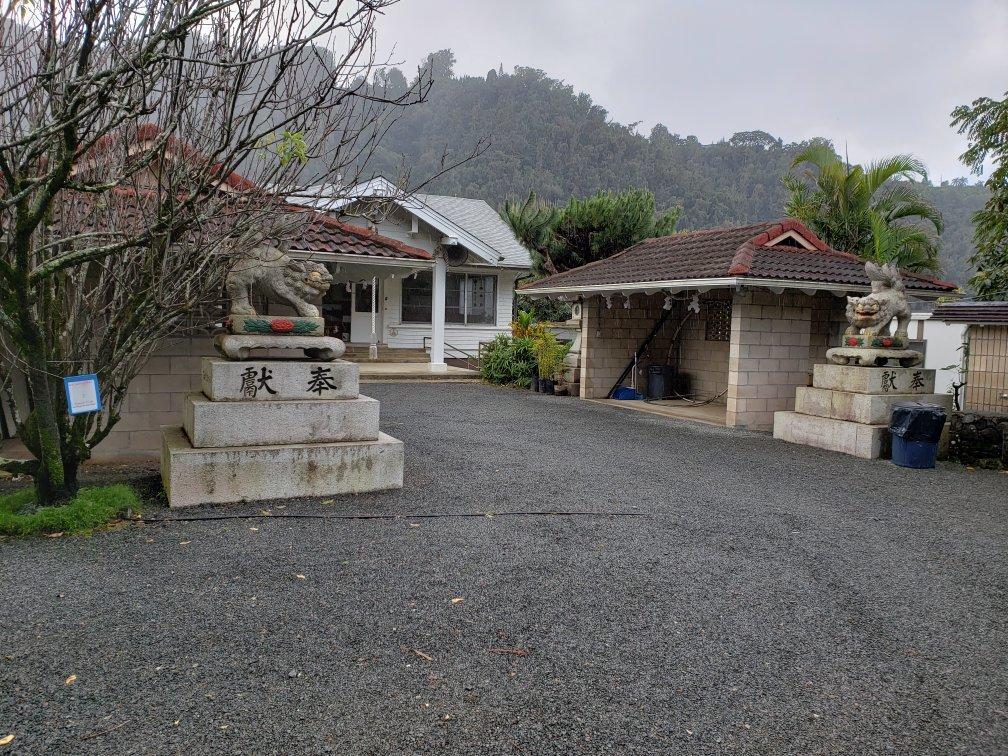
x=323 y=233
x=728 y=253
x=972 y=312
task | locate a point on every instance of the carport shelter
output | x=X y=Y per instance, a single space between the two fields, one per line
x=767 y=301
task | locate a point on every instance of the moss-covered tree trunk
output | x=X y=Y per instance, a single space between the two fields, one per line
x=52 y=484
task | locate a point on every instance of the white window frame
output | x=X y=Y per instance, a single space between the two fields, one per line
x=465 y=301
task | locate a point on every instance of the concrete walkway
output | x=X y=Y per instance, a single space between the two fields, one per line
x=711 y=414
x=557 y=577
x=413 y=371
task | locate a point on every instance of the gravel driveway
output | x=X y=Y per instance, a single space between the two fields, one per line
x=720 y=592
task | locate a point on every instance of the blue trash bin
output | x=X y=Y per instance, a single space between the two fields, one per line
x=917 y=454
x=916 y=428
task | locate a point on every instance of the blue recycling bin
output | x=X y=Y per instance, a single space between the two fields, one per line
x=916 y=429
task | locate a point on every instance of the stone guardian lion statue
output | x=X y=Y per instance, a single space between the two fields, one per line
x=870 y=315
x=270 y=271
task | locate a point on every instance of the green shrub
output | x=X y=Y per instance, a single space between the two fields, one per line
x=550 y=354
x=509 y=361
x=90 y=508
x=527 y=327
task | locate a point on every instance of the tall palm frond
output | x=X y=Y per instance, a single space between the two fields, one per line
x=849 y=205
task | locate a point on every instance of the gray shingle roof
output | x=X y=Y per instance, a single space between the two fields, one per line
x=483 y=222
x=972 y=312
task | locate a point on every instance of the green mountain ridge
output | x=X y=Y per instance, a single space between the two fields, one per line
x=546 y=137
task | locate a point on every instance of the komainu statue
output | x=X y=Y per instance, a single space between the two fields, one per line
x=271 y=271
x=871 y=315
x=866 y=341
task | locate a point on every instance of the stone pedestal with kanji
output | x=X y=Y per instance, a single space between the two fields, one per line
x=847 y=408
x=277 y=429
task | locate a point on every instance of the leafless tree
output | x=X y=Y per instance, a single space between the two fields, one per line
x=143 y=143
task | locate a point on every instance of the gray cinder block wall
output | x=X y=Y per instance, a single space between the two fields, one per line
x=609 y=337
x=774 y=341
x=156 y=397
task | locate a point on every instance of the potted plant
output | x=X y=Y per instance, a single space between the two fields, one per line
x=549 y=361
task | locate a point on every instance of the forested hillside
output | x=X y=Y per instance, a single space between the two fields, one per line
x=547 y=137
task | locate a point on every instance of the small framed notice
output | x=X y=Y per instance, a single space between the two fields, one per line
x=82 y=393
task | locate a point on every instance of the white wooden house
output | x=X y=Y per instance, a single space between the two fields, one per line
x=447 y=304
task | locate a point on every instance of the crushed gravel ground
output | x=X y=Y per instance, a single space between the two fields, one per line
x=730 y=594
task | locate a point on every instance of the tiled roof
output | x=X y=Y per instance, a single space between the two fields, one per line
x=323 y=233
x=972 y=312
x=740 y=252
x=483 y=222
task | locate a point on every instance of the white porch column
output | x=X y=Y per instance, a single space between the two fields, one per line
x=438 y=313
x=373 y=348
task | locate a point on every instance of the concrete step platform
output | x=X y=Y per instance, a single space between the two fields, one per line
x=193 y=476
x=302 y=421
x=857 y=439
x=357 y=353
x=871 y=409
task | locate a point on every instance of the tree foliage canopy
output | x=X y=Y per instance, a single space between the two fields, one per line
x=985 y=123
x=585 y=230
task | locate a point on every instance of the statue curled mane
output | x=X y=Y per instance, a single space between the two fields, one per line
x=270 y=271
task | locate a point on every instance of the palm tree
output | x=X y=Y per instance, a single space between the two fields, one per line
x=849 y=206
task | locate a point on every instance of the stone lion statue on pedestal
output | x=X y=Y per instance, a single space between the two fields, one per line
x=274 y=274
x=867 y=342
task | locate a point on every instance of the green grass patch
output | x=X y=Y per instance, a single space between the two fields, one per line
x=89 y=509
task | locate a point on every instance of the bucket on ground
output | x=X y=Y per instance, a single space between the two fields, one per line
x=625 y=392
x=916 y=428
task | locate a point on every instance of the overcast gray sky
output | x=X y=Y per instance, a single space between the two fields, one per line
x=880 y=77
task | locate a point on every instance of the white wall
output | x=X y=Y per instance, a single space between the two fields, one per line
x=943 y=348
x=467 y=337
x=397 y=225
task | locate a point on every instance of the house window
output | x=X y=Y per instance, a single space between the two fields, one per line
x=454 y=303
x=481 y=299
x=416 y=298
x=717 y=325
x=470 y=298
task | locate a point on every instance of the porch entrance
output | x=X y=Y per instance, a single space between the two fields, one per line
x=360 y=318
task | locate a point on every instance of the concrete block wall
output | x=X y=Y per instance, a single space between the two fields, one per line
x=609 y=337
x=775 y=340
x=706 y=362
x=155 y=398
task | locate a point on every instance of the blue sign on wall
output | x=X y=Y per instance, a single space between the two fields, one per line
x=82 y=394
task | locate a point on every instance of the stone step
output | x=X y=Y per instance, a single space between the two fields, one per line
x=857 y=439
x=871 y=409
x=297 y=421
x=361 y=354
x=265 y=380
x=194 y=476
x=873 y=380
